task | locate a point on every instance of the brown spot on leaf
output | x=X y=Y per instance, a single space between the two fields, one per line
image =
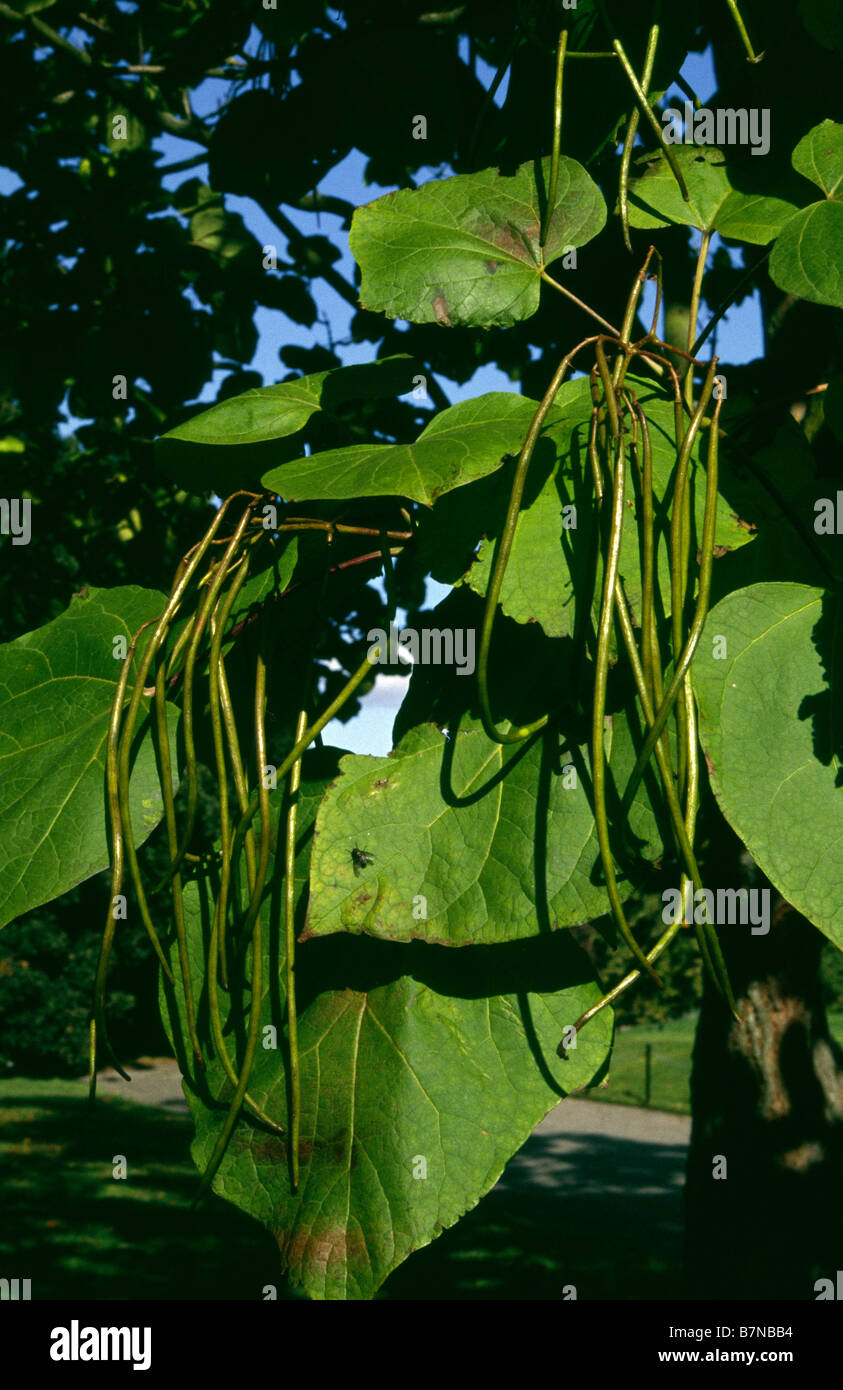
x=324 y=1244
x=267 y=1148
x=515 y=241
x=440 y=309
x=490 y=266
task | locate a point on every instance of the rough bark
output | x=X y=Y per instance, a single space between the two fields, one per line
x=766 y=1095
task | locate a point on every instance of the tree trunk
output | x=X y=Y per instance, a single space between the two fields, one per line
x=767 y=1097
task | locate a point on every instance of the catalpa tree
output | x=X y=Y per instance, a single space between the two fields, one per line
x=367 y=965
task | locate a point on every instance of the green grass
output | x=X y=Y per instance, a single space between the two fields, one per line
x=76 y=1231
x=670 y=1064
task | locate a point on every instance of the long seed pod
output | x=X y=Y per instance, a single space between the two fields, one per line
x=220 y=698
x=649 y=115
x=241 y=785
x=557 y=135
x=256 y=986
x=97 y=1025
x=253 y=926
x=502 y=559
x=307 y=738
x=290 y=960
x=184 y=575
x=262 y=789
x=651 y=661
x=117 y=780
x=172 y=840
x=665 y=772
x=687 y=653
x=631 y=132
x=199 y=625
x=218 y=626
x=690 y=646
x=609 y=998
x=601 y=671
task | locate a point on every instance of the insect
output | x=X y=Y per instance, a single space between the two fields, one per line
x=360 y=858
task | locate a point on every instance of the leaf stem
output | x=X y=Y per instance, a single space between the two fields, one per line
x=752 y=56
x=580 y=303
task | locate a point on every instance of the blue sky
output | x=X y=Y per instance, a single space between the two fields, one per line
x=739 y=336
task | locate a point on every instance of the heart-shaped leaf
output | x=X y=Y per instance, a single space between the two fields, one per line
x=465 y=250
x=466 y=441
x=57 y=685
x=770 y=725
x=807 y=259
x=819 y=157
x=655 y=199
x=470 y=842
x=423 y=1070
x=230 y=445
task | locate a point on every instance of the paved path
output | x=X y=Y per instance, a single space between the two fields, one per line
x=157 y=1081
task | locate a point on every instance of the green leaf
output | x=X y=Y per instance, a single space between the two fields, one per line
x=472 y=843
x=464 y=442
x=406 y=1053
x=230 y=445
x=225 y=233
x=56 y=688
x=770 y=726
x=819 y=156
x=807 y=259
x=465 y=250
x=714 y=205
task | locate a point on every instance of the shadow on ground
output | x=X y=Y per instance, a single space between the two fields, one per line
x=599 y=1213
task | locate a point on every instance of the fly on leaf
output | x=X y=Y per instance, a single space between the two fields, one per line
x=360 y=858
